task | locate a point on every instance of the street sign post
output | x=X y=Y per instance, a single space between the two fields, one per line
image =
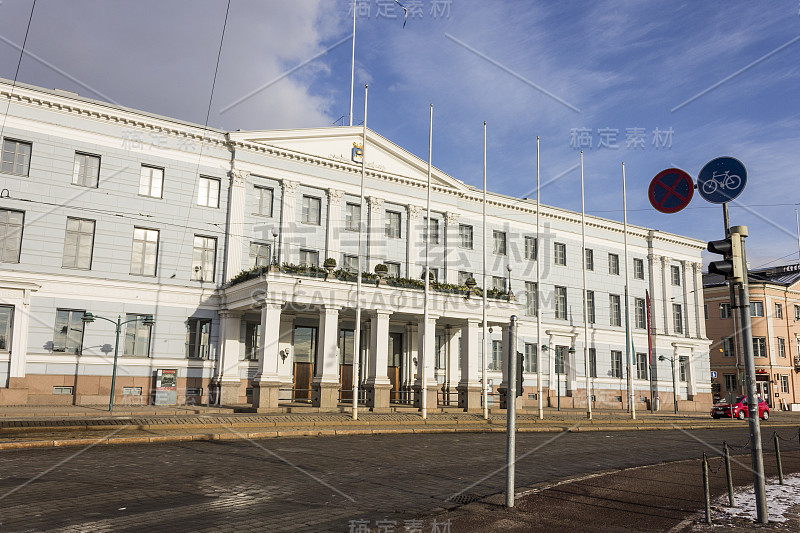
x=721 y=180
x=671 y=190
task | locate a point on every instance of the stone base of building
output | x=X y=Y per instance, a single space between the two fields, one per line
x=265 y=396
x=519 y=401
x=431 y=396
x=469 y=398
x=325 y=396
x=228 y=392
x=15 y=394
x=377 y=397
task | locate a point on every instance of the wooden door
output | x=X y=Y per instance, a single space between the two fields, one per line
x=302 y=381
x=395 y=362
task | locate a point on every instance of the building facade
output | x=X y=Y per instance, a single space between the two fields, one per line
x=775 y=318
x=223 y=237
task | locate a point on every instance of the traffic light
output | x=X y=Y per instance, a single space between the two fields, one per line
x=520 y=368
x=731 y=251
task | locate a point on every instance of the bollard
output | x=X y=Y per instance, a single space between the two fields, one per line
x=778 y=457
x=706 y=491
x=728 y=474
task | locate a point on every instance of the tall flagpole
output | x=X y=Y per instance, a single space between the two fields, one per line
x=631 y=403
x=585 y=302
x=425 y=329
x=353 y=70
x=357 y=334
x=797 y=219
x=538 y=291
x=484 y=386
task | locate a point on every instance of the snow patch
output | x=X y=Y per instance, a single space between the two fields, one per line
x=780 y=499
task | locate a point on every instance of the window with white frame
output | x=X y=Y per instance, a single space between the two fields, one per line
x=724 y=311
x=530 y=298
x=756 y=308
x=309 y=258
x=615 y=309
x=465 y=236
x=499 y=238
x=260 y=254
x=86 y=170
x=589 y=259
x=590 y=313
x=592 y=362
x=641 y=366
x=727 y=347
x=531 y=357
x=352 y=216
x=151 y=181
x=560 y=253
x=640 y=313
x=677 y=318
x=393 y=219
x=6 y=315
x=11 y=223
x=784 y=383
x=676 y=275
x=347 y=347
x=497 y=356
x=16 y=157
x=778 y=310
x=68 y=334
x=616 y=364
x=198 y=338
x=263 y=199
x=434 y=231
x=781 y=347
x=759 y=347
x=561 y=303
x=499 y=283
x=208 y=192
x=613 y=264
x=683 y=366
x=730 y=382
x=463 y=276
x=392 y=269
x=638 y=268
x=137 y=336
x=530 y=248
x=78 y=244
x=204 y=255
x=350 y=263
x=312 y=210
x=797 y=312
x=144 y=253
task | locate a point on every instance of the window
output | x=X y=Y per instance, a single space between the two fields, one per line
x=463 y=276
x=724 y=310
x=499 y=283
x=465 y=235
x=263 y=200
x=393 y=224
x=677 y=318
x=352 y=217
x=86 y=170
x=208 y=193
x=727 y=347
x=347 y=347
x=781 y=347
x=638 y=268
x=530 y=248
x=145 y=252
x=676 y=275
x=309 y=258
x=441 y=352
x=590 y=314
x=260 y=254
x=613 y=264
x=16 y=157
x=561 y=303
x=151 y=181
x=615 y=310
x=10 y=235
x=497 y=356
x=68 y=334
x=589 y=253
x=499 y=242
x=797 y=312
x=350 y=263
x=784 y=384
x=560 y=253
x=561 y=359
x=204 y=258
x=305 y=344
x=705 y=311
x=6 y=313
x=730 y=382
x=683 y=366
x=312 y=208
x=530 y=357
x=62 y=390
x=198 y=338
x=434 y=231
x=530 y=298
x=759 y=347
x=616 y=364
x=434 y=274
x=640 y=313
x=137 y=336
x=393 y=269
x=78 y=244
x=252 y=340
x=641 y=366
x=756 y=308
x=778 y=310
x=592 y=363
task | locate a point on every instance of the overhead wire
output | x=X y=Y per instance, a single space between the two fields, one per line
x=16 y=72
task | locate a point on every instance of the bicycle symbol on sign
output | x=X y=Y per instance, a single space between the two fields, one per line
x=723 y=181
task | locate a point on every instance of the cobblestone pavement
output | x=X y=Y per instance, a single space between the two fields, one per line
x=307 y=484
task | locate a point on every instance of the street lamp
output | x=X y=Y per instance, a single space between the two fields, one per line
x=510 y=292
x=88 y=318
x=275 y=246
x=681 y=359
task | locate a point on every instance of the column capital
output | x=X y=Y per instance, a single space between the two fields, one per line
x=239 y=177
x=379 y=313
x=335 y=196
x=289 y=187
x=698 y=267
x=328 y=309
x=654 y=257
x=226 y=313
x=664 y=259
x=375 y=202
x=451 y=218
x=683 y=262
x=413 y=212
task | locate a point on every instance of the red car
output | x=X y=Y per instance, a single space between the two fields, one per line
x=738 y=409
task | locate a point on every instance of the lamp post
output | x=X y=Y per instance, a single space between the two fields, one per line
x=274 y=246
x=510 y=292
x=674 y=383
x=88 y=318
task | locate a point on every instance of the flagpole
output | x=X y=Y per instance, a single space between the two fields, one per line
x=426 y=315
x=797 y=219
x=357 y=334
x=631 y=403
x=538 y=290
x=484 y=386
x=353 y=70
x=585 y=302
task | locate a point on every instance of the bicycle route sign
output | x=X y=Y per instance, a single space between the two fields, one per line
x=671 y=190
x=721 y=180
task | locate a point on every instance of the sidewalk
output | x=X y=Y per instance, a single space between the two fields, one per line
x=48 y=426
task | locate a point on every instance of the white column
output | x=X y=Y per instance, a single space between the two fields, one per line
x=414 y=267
x=286 y=359
x=235 y=246
x=266 y=384
x=19 y=336
x=665 y=298
x=451 y=377
x=335 y=220
x=377 y=384
x=289 y=252
x=688 y=303
x=469 y=386
x=412 y=353
x=690 y=374
x=228 y=364
x=697 y=270
x=377 y=233
x=451 y=245
x=427 y=356
x=656 y=311
x=325 y=384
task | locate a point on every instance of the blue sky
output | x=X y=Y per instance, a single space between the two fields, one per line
x=612 y=69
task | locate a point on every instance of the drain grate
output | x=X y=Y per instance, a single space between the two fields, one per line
x=464 y=498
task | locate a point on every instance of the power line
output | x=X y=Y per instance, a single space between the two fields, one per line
x=16 y=73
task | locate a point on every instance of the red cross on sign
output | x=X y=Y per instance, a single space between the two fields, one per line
x=671 y=190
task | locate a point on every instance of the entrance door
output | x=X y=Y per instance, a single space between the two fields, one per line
x=346 y=349
x=305 y=349
x=393 y=368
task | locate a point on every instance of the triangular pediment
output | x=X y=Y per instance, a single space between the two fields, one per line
x=337 y=143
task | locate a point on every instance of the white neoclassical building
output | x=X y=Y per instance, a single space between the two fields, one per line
x=124 y=214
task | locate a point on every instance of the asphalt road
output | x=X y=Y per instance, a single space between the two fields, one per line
x=307 y=484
